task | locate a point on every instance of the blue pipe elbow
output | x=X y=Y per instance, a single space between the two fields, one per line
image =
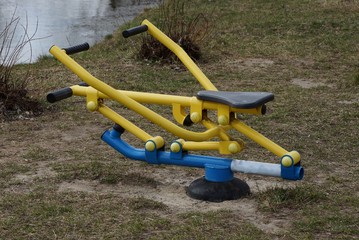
x=113 y=138
x=294 y=172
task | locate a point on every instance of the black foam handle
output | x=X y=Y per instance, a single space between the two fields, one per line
x=59 y=95
x=135 y=30
x=76 y=49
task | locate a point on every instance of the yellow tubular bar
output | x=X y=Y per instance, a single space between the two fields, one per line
x=222 y=133
x=128 y=102
x=162 y=99
x=259 y=138
x=181 y=54
x=224 y=147
x=290 y=159
x=123 y=122
x=143 y=97
x=198 y=146
x=154 y=143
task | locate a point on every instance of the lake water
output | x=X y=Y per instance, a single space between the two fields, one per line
x=68 y=22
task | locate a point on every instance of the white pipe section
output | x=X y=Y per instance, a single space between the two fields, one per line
x=252 y=167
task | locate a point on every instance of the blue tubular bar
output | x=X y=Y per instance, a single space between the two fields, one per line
x=113 y=138
x=216 y=169
x=163 y=157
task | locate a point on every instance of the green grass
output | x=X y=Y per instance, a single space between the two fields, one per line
x=276 y=199
x=213 y=225
x=106 y=173
x=253 y=46
x=146 y=204
x=356 y=79
x=9 y=170
x=73 y=215
x=37 y=153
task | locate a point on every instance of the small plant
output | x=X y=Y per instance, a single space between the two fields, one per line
x=13 y=94
x=186 y=31
x=109 y=36
x=141 y=203
x=276 y=198
x=356 y=79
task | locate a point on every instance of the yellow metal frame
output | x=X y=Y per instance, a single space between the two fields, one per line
x=98 y=91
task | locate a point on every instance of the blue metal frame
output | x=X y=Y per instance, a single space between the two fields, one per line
x=216 y=169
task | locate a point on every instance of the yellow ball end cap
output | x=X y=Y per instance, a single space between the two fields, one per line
x=223 y=120
x=91 y=106
x=287 y=161
x=175 y=147
x=150 y=146
x=195 y=117
x=233 y=148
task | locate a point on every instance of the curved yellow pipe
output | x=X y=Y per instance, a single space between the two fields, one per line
x=258 y=138
x=128 y=102
x=123 y=122
x=181 y=54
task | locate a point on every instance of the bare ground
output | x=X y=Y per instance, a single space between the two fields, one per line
x=62 y=150
x=57 y=138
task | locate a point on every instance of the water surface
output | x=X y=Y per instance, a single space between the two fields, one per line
x=68 y=22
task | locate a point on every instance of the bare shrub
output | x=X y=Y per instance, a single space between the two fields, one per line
x=13 y=94
x=177 y=24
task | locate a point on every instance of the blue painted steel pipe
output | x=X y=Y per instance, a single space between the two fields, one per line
x=216 y=169
x=163 y=157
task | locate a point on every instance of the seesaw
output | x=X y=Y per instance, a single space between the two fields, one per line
x=218 y=183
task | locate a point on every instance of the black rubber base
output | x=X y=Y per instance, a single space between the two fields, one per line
x=202 y=189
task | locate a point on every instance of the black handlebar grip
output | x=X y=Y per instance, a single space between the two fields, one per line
x=135 y=30
x=59 y=95
x=83 y=84
x=76 y=49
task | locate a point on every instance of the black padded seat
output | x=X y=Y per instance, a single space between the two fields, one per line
x=244 y=100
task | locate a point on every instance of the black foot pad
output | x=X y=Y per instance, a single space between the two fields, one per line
x=202 y=189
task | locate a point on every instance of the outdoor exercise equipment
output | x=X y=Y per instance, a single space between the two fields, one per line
x=218 y=183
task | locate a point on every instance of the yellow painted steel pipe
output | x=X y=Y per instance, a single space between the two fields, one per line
x=222 y=133
x=290 y=158
x=224 y=147
x=197 y=146
x=128 y=102
x=162 y=99
x=132 y=128
x=143 y=97
x=154 y=143
x=181 y=54
x=259 y=138
x=123 y=122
